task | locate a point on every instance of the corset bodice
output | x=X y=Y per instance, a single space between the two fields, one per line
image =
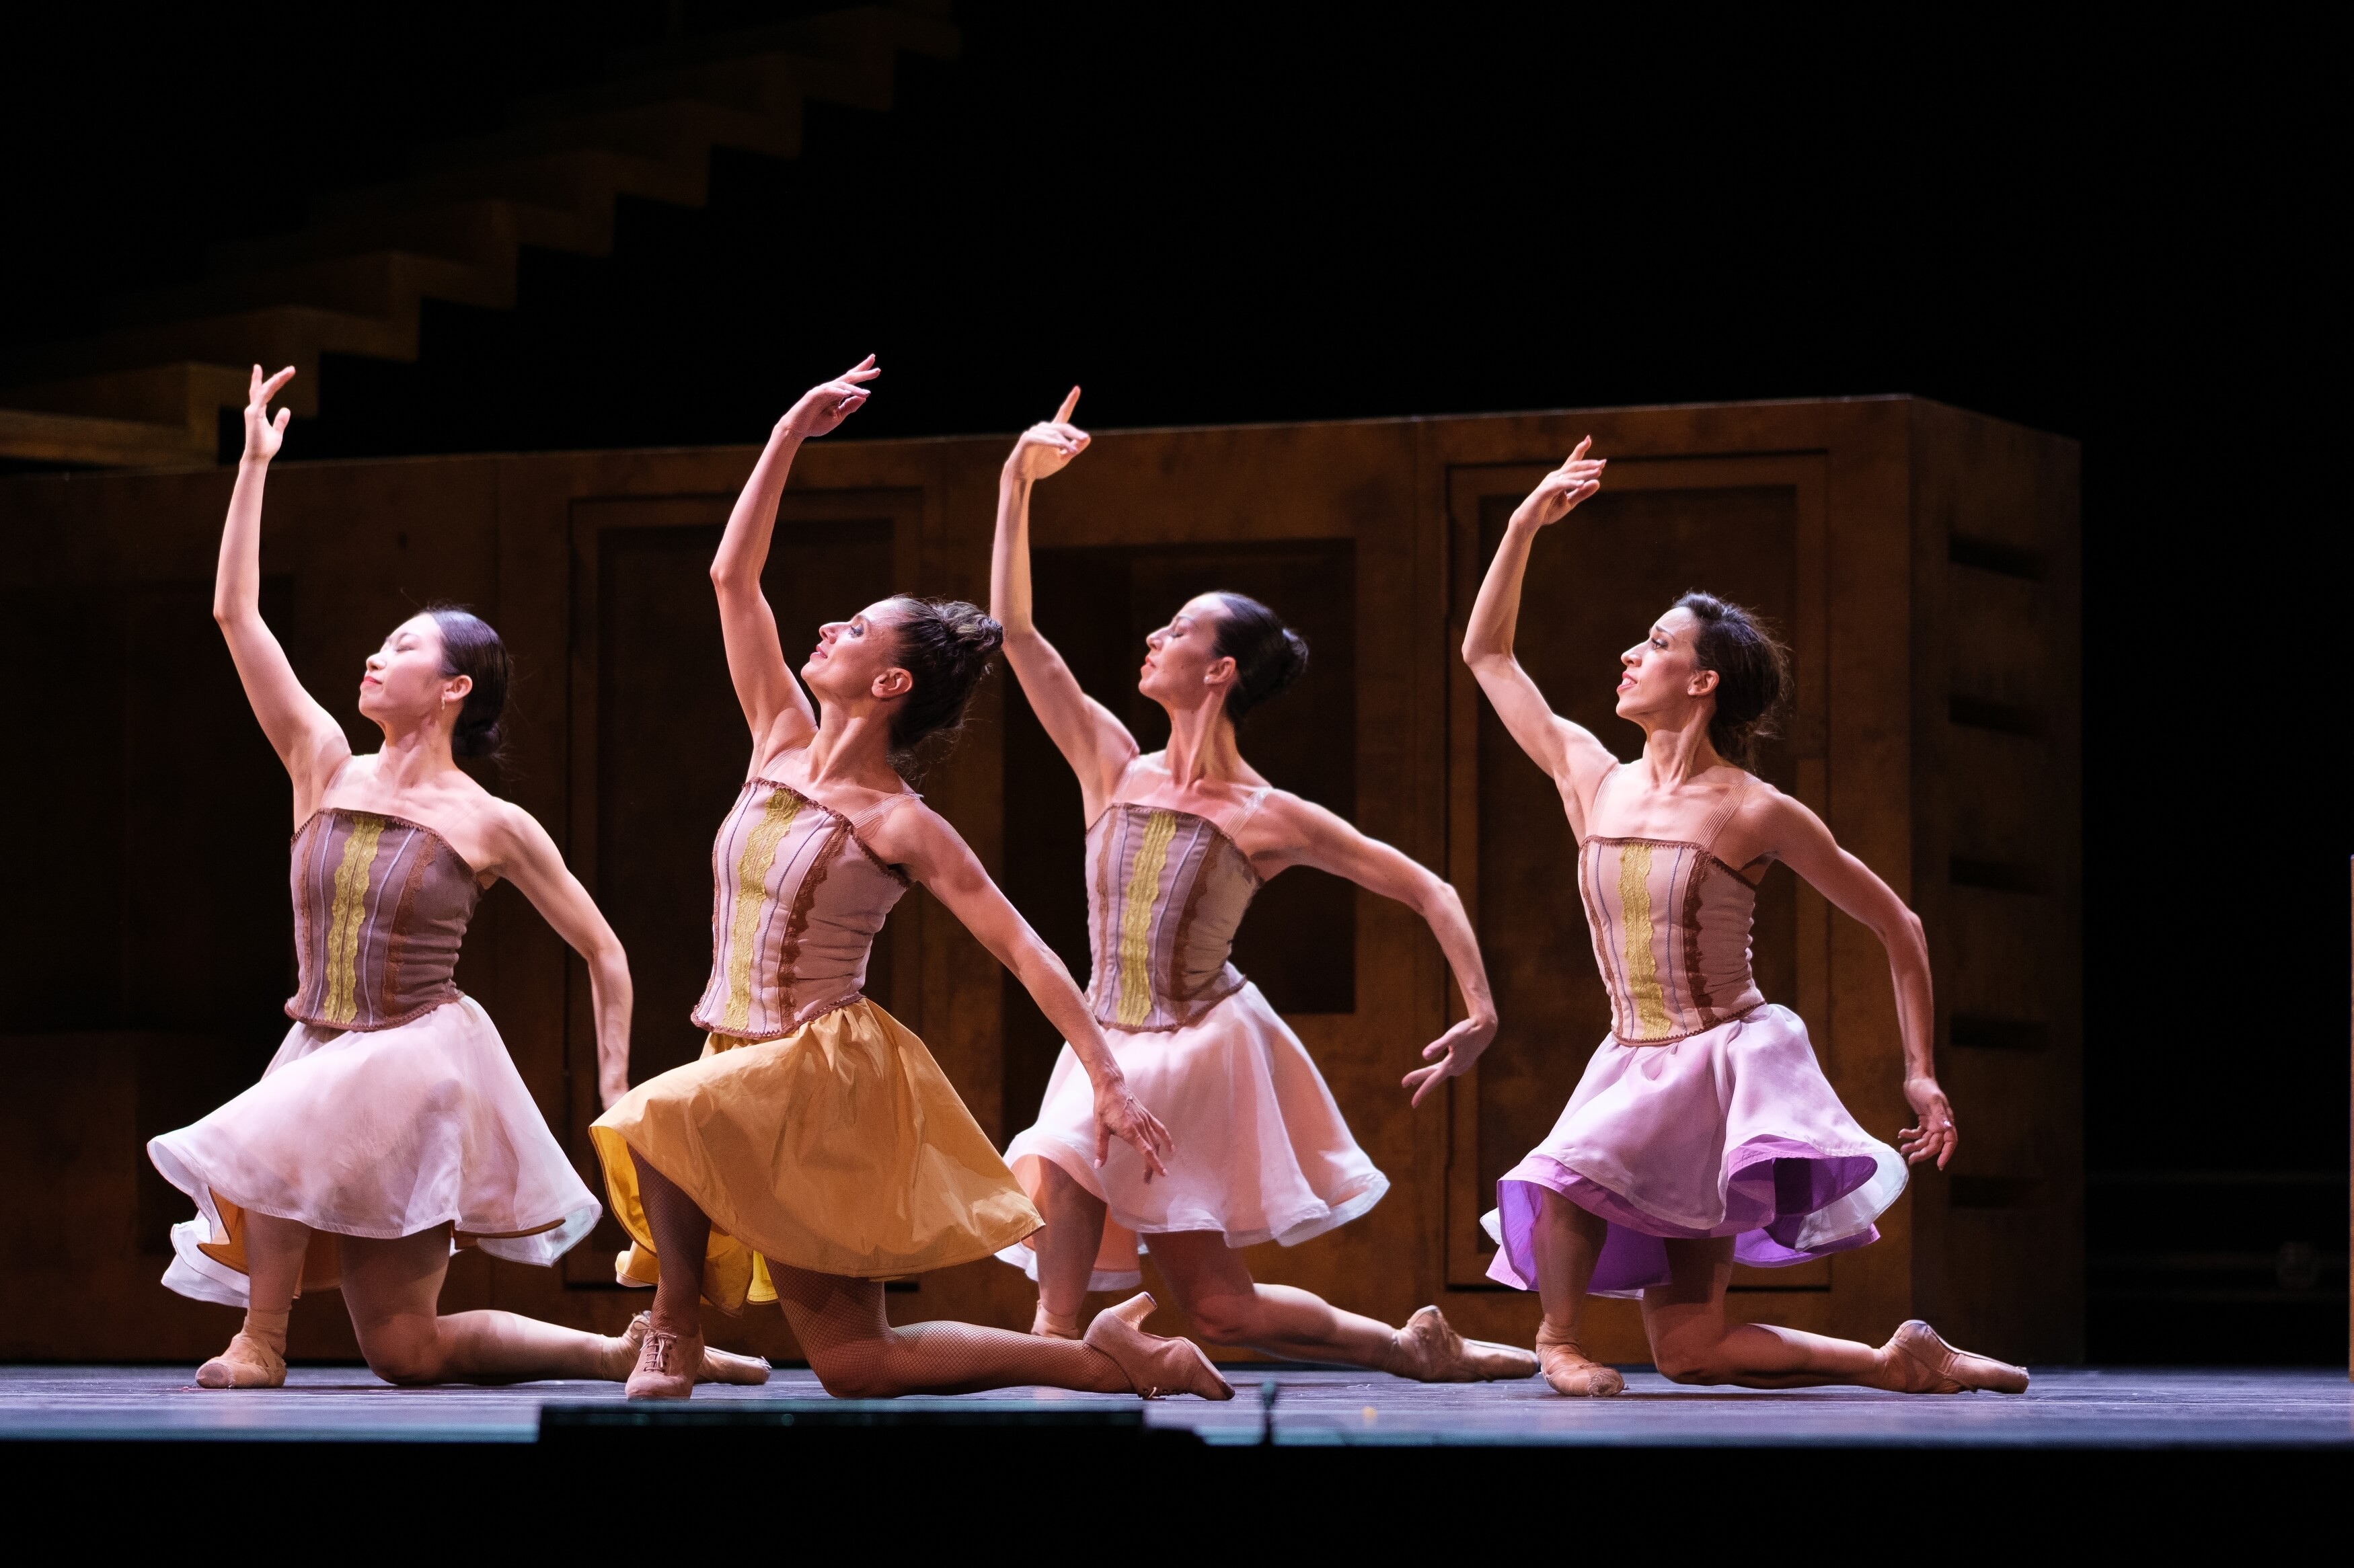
x=1671 y=924
x=1166 y=888
x=380 y=910
x=797 y=902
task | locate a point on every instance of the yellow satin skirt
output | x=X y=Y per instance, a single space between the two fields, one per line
x=841 y=1149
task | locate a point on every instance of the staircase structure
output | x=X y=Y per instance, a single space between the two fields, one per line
x=148 y=391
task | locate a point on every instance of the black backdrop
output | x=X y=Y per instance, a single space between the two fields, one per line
x=1210 y=213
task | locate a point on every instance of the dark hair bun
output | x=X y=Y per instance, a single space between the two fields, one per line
x=1753 y=674
x=1269 y=655
x=945 y=645
x=471 y=648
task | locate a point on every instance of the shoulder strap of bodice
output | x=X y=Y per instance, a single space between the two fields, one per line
x=1231 y=820
x=880 y=809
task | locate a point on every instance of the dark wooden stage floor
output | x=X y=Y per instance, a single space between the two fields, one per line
x=2070 y=1408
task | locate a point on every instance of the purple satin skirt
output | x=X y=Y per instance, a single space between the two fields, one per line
x=1731 y=1132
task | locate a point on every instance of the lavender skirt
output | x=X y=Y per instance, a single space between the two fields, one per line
x=1731 y=1132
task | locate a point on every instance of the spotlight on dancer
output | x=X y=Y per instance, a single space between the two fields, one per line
x=816 y=1150
x=1703 y=1133
x=1179 y=841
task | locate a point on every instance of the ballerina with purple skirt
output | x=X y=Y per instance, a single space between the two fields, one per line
x=1704 y=1132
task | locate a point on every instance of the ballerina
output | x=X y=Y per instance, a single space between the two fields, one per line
x=815 y=1149
x=391 y=1122
x=1702 y=1133
x=1178 y=844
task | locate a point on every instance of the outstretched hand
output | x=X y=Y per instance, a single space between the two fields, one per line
x=1121 y=1115
x=1559 y=491
x=1933 y=1135
x=264 y=435
x=823 y=408
x=1046 y=446
x=1450 y=1057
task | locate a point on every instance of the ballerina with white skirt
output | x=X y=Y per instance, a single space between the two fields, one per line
x=391 y=1125
x=1179 y=843
x=1704 y=1132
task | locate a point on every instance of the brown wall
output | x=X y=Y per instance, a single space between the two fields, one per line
x=1923 y=558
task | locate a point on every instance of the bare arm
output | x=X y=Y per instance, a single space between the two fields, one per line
x=1305 y=833
x=1569 y=753
x=1095 y=744
x=1799 y=838
x=774 y=704
x=529 y=859
x=931 y=852
x=306 y=737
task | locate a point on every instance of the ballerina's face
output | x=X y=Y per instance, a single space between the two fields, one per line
x=406 y=680
x=1182 y=659
x=858 y=657
x=1662 y=677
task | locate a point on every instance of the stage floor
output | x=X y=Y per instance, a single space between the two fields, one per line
x=2067 y=1407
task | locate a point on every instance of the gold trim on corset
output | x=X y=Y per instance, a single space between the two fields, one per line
x=1643 y=969
x=1135 y=971
x=340 y=1002
x=752 y=869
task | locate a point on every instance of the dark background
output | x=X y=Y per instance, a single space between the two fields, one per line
x=1210 y=215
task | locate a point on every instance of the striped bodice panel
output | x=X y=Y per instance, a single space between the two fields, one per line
x=797 y=902
x=380 y=910
x=1671 y=925
x=1165 y=891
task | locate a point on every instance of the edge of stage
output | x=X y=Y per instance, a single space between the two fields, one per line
x=2069 y=1408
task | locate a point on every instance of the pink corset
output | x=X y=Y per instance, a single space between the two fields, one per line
x=1671 y=924
x=1166 y=888
x=380 y=909
x=797 y=902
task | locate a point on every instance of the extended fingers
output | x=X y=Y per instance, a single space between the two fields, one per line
x=864 y=370
x=1070 y=402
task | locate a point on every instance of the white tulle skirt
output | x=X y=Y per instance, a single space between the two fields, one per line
x=379 y=1133
x=1263 y=1153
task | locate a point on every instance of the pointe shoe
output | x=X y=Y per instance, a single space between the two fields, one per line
x=1925 y=1364
x=1429 y=1349
x=246 y=1363
x=1152 y=1365
x=663 y=1361
x=1571 y=1371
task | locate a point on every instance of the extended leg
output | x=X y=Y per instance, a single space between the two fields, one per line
x=1566 y=1241
x=1067 y=1251
x=1228 y=1308
x=393 y=1291
x=857 y=1354
x=256 y=1357
x=1692 y=1343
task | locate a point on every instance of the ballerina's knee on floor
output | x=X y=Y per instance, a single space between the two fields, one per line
x=1702 y=1132
x=391 y=1121
x=1178 y=844
x=816 y=1149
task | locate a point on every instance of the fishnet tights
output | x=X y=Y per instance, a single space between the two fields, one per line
x=841 y=1325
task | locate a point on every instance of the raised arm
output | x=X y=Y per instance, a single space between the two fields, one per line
x=1301 y=832
x=529 y=858
x=1800 y=840
x=1095 y=744
x=773 y=700
x=306 y=737
x=1568 y=752
x=932 y=852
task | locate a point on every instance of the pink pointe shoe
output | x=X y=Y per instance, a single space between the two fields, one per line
x=1925 y=1364
x=1152 y=1365
x=1429 y=1349
x=246 y=1363
x=1570 y=1371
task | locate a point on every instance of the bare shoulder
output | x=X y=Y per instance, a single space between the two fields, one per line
x=914 y=835
x=506 y=832
x=1768 y=822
